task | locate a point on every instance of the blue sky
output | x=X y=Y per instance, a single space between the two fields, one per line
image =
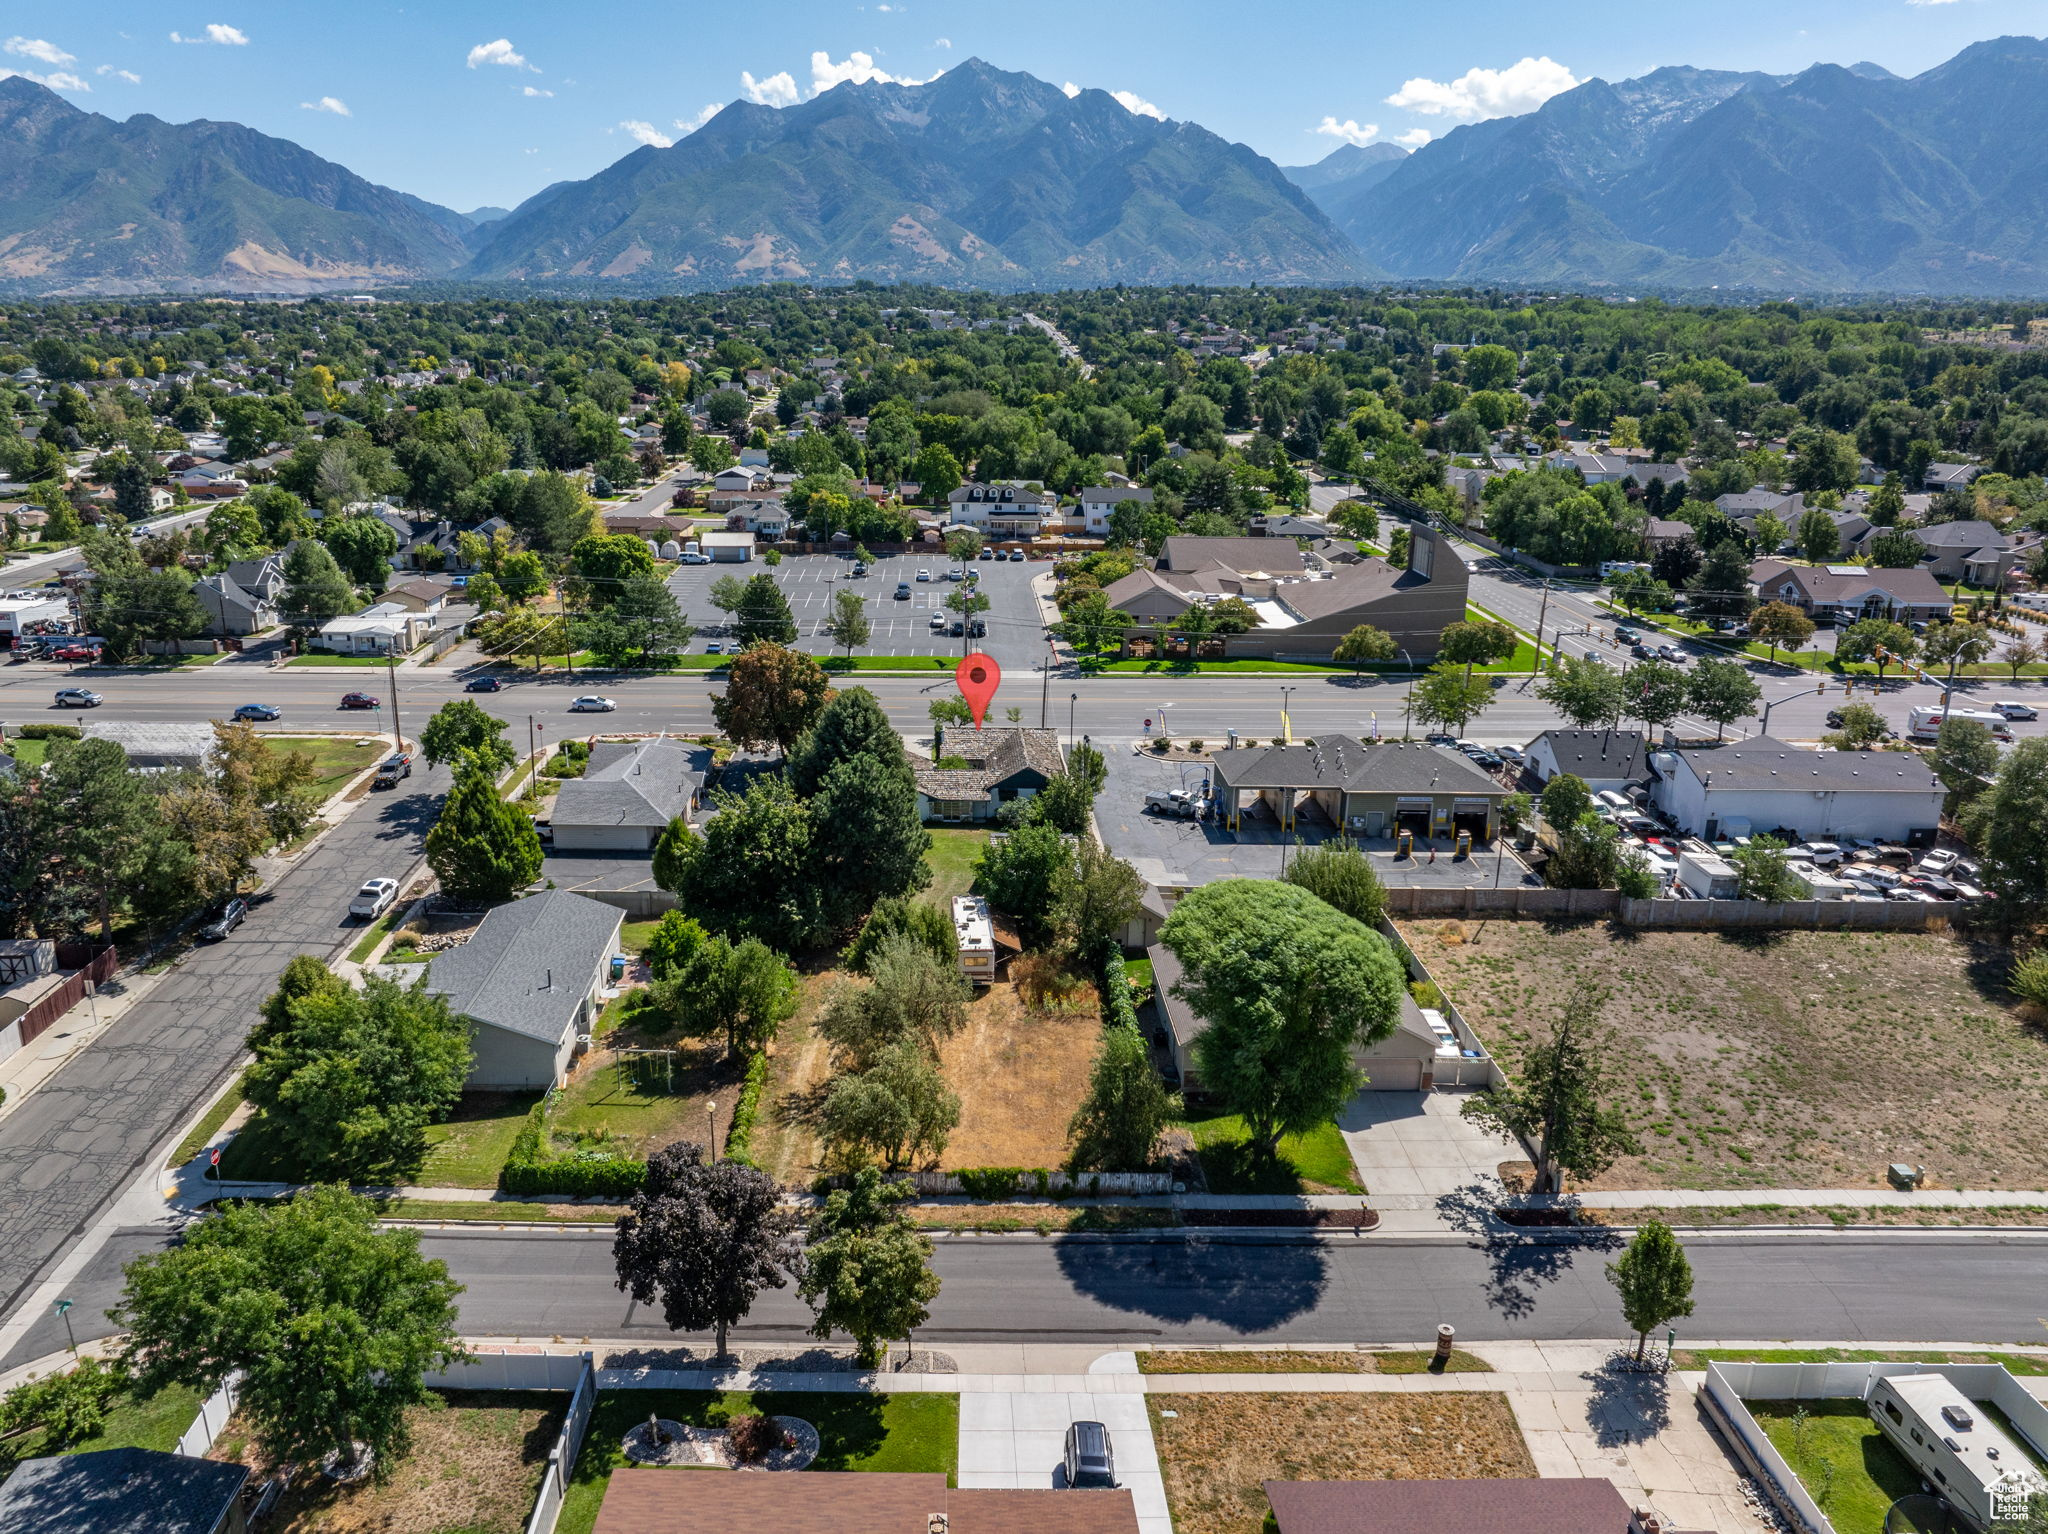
x=470 y=103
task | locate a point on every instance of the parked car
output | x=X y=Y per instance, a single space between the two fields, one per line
x=986 y=554
x=938 y=620
x=1174 y=801
x=1905 y=896
x=1090 y=1465
x=1820 y=854
x=591 y=703
x=1936 y=886
x=1016 y=556
x=374 y=898
x=924 y=575
x=694 y=559
x=954 y=573
x=484 y=684
x=1965 y=890
x=361 y=700
x=257 y=713
x=714 y=648
x=1513 y=754
x=78 y=697
x=976 y=629
x=1450 y=741
x=2013 y=710
x=392 y=770
x=859 y=570
x=903 y=591
x=230 y=916
x=1937 y=862
x=75 y=653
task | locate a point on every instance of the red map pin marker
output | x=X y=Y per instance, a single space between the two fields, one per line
x=978 y=677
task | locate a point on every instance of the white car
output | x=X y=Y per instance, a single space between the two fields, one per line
x=694 y=559
x=2015 y=710
x=938 y=620
x=1936 y=863
x=593 y=704
x=374 y=899
x=924 y=575
x=1820 y=854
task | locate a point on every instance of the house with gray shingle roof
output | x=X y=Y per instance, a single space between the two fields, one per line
x=629 y=792
x=1004 y=763
x=529 y=982
x=1375 y=788
x=123 y=1491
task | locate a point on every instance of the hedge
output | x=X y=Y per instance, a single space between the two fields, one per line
x=533 y=1167
x=48 y=732
x=739 y=1138
x=1115 y=987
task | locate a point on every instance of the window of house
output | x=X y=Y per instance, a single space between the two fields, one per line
x=1008 y=793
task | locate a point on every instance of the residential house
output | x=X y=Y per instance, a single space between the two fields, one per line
x=1974 y=552
x=1099 y=504
x=262 y=577
x=628 y=794
x=1601 y=759
x=233 y=608
x=421 y=594
x=767 y=520
x=1004 y=763
x=1661 y=532
x=1002 y=510
x=207 y=476
x=1287 y=525
x=1767 y=785
x=1368 y=788
x=1670 y=475
x=158 y=746
x=384 y=628
x=530 y=982
x=1949 y=476
x=1594 y=468
x=124 y=1491
x=1846 y=593
x=658 y=1501
x=1744 y=507
x=1552 y=1505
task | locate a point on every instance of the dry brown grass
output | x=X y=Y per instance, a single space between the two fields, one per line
x=1020 y=1075
x=1221 y=1449
x=1780 y=1060
x=785 y=1143
x=475 y=1466
x=1232 y=1361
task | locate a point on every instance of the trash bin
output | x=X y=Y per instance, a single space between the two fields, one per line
x=619 y=962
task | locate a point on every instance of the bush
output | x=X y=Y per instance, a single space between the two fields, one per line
x=754 y=1436
x=533 y=1166
x=1196 y=746
x=991 y=1183
x=1426 y=995
x=48 y=732
x=2029 y=979
x=739 y=1138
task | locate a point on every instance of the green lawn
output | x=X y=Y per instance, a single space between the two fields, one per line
x=496 y=1212
x=336 y=758
x=337 y=660
x=30 y=753
x=208 y=1126
x=155 y=1423
x=859 y=1432
x=1699 y=1358
x=468 y=1150
x=607 y=1104
x=1139 y=971
x=634 y=936
x=360 y=954
x=952 y=864
x=1845 y=1463
x=1314 y=1162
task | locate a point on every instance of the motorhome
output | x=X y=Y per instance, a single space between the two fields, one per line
x=1926 y=723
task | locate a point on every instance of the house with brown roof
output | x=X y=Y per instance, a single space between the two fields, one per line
x=662 y=1501
x=1560 y=1505
x=1847 y=593
x=1005 y=763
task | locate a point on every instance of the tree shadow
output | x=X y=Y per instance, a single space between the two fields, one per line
x=1627 y=1407
x=1519 y=1264
x=1248 y=1286
x=849 y=1423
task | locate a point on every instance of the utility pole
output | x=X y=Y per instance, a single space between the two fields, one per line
x=391 y=673
x=1536 y=668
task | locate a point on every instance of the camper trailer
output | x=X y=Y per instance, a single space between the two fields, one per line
x=1955 y=1446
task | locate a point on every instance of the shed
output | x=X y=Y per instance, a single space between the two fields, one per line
x=728 y=548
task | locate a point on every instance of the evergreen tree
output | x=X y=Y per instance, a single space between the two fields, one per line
x=1116 y=1128
x=866 y=838
x=764 y=614
x=482 y=848
x=852 y=725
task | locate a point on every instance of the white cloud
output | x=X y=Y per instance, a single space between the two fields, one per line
x=1132 y=102
x=646 y=133
x=119 y=74
x=942 y=42
x=778 y=90
x=1071 y=89
x=217 y=32
x=1414 y=138
x=1350 y=130
x=1521 y=87
x=859 y=68
x=689 y=125
x=35 y=48
x=500 y=52
x=534 y=90
x=332 y=104
x=56 y=80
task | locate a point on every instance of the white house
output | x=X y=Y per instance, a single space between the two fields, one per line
x=384 y=629
x=1767 y=785
x=728 y=548
x=529 y=981
x=1005 y=511
x=1099 y=503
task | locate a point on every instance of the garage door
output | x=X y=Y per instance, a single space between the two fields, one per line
x=1469 y=815
x=1393 y=1075
x=1412 y=815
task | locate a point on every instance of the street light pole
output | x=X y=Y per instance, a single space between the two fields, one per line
x=391 y=672
x=1072 y=699
x=1408 y=702
x=1045 y=681
x=1536 y=666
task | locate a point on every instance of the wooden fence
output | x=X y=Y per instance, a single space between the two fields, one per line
x=90 y=966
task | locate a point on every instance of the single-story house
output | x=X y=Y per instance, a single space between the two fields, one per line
x=529 y=982
x=629 y=792
x=1602 y=759
x=657 y=1501
x=1373 y=788
x=1763 y=785
x=1949 y=476
x=1847 y=593
x=1004 y=762
x=384 y=628
x=159 y=746
x=1552 y=1505
x=1744 y=507
x=232 y=608
x=1661 y=532
x=1001 y=510
x=728 y=548
x=1404 y=1061
x=1669 y=475
x=124 y=1491
x=1099 y=503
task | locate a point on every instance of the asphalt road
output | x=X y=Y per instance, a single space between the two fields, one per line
x=77 y=1143
x=1897 y=1288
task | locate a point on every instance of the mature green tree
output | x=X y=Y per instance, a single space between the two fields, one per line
x=743 y=991
x=1341 y=874
x=330 y=1320
x=99 y=831
x=606 y=561
x=303 y=976
x=1721 y=589
x=482 y=848
x=2020 y=653
x=1024 y=877
x=918 y=920
x=1117 y=1126
x=460 y=726
x=936 y=472
x=763 y=615
x=867 y=840
x=1862 y=727
x=1770 y=533
x=1780 y=623
x=1067 y=801
x=850 y=725
x=1586 y=693
x=847 y=624
x=1638 y=590
x=1895 y=549
x=362 y=546
x=353 y=1078
x=704 y=1238
x=522 y=575
x=1289 y=985
x=1653 y=1279
x=1723 y=691
x=867 y=1271
x=1477 y=644
x=1765 y=873
x=1965 y=758
x=138 y=605
x=2008 y=825
x=1554 y=1101
x=1879 y=640
x=1657 y=694
x=674 y=943
x=1098 y=901
x=1365 y=643
x=773 y=697
x=1819 y=539
x=1452 y=698
x=1956 y=645
x=1566 y=800
x=912 y=995
x=751 y=872
x=1090 y=623
x=315 y=587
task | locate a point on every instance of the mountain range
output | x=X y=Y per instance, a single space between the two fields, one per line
x=1834 y=179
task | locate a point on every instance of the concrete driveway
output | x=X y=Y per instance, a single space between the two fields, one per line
x=1415 y=1147
x=1018 y=1439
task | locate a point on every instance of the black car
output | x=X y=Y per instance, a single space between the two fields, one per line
x=1627 y=636
x=484 y=684
x=229 y=917
x=1641 y=651
x=1834 y=719
x=1089 y=1463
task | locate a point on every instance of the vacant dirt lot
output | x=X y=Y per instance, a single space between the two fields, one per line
x=1221 y=1449
x=1781 y=1060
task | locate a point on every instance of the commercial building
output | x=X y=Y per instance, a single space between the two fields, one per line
x=1768 y=785
x=1368 y=788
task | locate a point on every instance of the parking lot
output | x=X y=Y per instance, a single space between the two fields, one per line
x=1171 y=851
x=1016 y=637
